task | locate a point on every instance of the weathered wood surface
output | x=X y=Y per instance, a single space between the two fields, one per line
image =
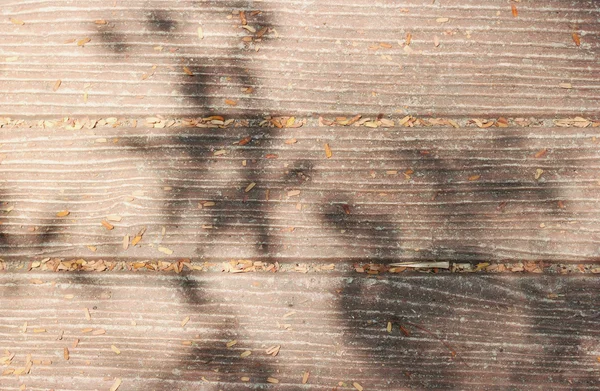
x=317 y=57
x=507 y=333
x=384 y=195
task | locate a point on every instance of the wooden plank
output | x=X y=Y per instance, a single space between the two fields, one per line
x=320 y=57
x=478 y=332
x=385 y=194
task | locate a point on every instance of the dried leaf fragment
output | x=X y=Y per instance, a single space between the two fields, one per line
x=502 y=122
x=483 y=124
x=231 y=343
x=290 y=122
x=404 y=120
x=305 y=377
x=138 y=237
x=83 y=41
x=328 y=153
x=261 y=32
x=107 y=225
x=245 y=140
x=63 y=213
x=250 y=187
x=538 y=173
x=185 y=321
x=577 y=121
x=57 y=85
x=116 y=384
x=353 y=120
x=165 y=250
x=346 y=208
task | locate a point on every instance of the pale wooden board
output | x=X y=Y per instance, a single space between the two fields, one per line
x=319 y=57
x=472 y=194
x=508 y=332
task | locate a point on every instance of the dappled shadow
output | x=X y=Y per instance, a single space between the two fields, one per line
x=208 y=356
x=513 y=205
x=366 y=229
x=481 y=332
x=160 y=20
x=194 y=81
x=560 y=339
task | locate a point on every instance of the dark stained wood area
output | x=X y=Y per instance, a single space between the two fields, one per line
x=448 y=332
x=251 y=193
